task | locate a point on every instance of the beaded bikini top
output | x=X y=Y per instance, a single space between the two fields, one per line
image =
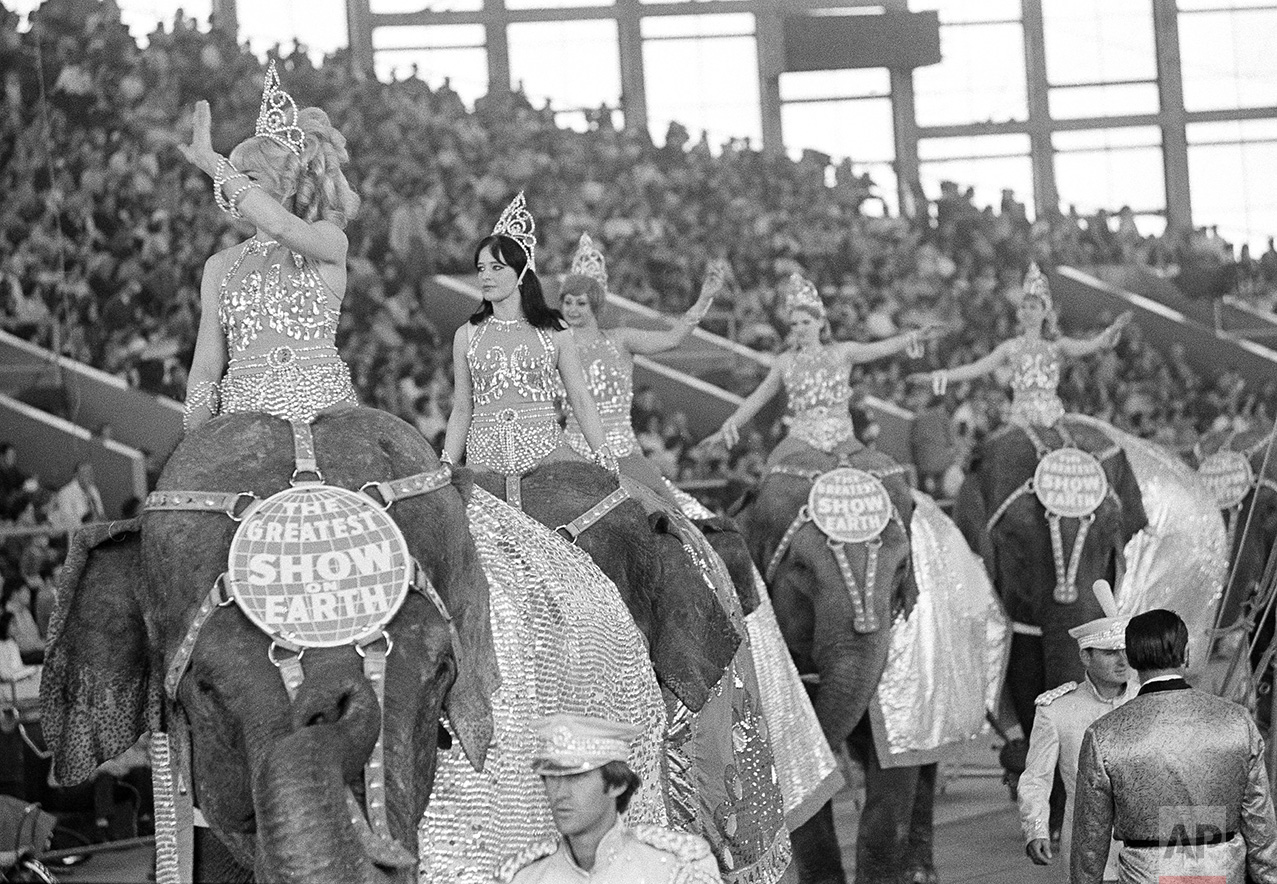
x=1035 y=382
x=496 y=367
x=281 y=298
x=609 y=373
x=817 y=380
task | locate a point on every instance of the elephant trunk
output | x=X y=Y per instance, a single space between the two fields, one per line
x=849 y=675
x=310 y=829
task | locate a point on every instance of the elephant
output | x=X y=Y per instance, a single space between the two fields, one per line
x=719 y=790
x=273 y=778
x=1018 y=552
x=815 y=612
x=1253 y=523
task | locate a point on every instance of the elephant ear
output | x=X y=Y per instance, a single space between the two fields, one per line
x=98 y=692
x=727 y=540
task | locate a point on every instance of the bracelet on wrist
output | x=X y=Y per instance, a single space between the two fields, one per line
x=939 y=382
x=237 y=197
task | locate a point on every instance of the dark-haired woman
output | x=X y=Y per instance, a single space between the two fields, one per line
x=510 y=361
x=563 y=639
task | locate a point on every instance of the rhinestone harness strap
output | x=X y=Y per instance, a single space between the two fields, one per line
x=1065 y=571
x=383 y=849
x=1232 y=515
x=865 y=617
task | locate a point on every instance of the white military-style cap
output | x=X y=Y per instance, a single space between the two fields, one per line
x=1105 y=633
x=572 y=744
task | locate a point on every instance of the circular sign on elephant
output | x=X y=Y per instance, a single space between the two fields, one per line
x=1229 y=477
x=1070 y=483
x=849 y=505
x=319 y=566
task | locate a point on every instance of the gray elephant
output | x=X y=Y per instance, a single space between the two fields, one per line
x=274 y=778
x=1010 y=531
x=818 y=620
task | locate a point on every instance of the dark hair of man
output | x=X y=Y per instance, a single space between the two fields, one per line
x=535 y=310
x=618 y=773
x=1156 y=639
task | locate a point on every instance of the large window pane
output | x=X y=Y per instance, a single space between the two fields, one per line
x=394 y=6
x=441 y=53
x=573 y=64
x=1230 y=171
x=1110 y=168
x=539 y=4
x=969 y=10
x=857 y=83
x=1073 y=102
x=319 y=25
x=705 y=83
x=987 y=164
x=1090 y=41
x=1228 y=58
x=981 y=78
x=857 y=130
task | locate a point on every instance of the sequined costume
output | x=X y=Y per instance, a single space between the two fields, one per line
x=280 y=322
x=1035 y=382
x=948 y=659
x=515 y=380
x=723 y=777
x=609 y=372
x=565 y=642
x=1174 y=764
x=818 y=384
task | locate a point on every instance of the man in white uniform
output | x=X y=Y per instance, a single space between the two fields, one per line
x=582 y=762
x=1063 y=715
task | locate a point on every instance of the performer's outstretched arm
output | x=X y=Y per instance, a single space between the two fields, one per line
x=982 y=366
x=857 y=353
x=454 y=440
x=210 y=351
x=1105 y=340
x=730 y=431
x=321 y=240
x=587 y=413
x=645 y=342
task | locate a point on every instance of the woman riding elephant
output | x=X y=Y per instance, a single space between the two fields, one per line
x=1150 y=529
x=837 y=597
x=171 y=663
x=804 y=763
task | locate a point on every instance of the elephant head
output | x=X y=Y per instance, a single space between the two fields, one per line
x=1252 y=525
x=691 y=638
x=273 y=777
x=1019 y=553
x=811 y=596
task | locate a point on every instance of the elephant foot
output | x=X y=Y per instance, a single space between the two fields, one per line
x=921 y=875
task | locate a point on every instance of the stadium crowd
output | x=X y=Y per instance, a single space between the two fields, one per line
x=104 y=231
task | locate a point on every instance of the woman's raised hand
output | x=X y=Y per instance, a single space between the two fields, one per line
x=1114 y=331
x=933 y=331
x=200 y=151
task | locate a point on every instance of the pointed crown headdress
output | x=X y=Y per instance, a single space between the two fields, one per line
x=517 y=223
x=799 y=291
x=588 y=261
x=277 y=120
x=1036 y=285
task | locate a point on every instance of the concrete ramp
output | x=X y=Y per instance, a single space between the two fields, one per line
x=1082 y=298
x=690 y=379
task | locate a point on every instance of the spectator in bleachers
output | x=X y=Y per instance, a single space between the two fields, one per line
x=78 y=501
x=15 y=601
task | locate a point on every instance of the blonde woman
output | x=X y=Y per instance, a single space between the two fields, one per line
x=270 y=305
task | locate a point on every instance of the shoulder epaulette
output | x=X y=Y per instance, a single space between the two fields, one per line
x=524 y=858
x=1046 y=699
x=688 y=848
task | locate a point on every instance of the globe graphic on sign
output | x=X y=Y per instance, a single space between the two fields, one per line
x=319 y=566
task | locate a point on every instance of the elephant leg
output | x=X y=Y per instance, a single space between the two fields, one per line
x=817 y=856
x=213 y=862
x=920 y=852
x=888 y=807
x=1026 y=677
